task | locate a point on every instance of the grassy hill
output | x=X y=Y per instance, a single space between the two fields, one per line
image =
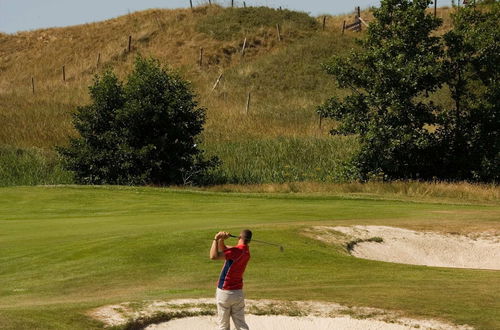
x=278 y=140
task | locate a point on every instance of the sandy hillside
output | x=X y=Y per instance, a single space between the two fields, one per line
x=480 y=251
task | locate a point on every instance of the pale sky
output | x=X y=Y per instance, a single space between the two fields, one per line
x=21 y=15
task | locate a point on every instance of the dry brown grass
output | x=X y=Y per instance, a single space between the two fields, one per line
x=460 y=192
x=43 y=119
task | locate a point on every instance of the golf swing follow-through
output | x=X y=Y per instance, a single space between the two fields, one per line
x=229 y=296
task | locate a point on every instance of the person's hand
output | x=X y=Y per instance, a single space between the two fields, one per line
x=222 y=235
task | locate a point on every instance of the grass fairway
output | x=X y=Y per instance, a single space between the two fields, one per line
x=64 y=250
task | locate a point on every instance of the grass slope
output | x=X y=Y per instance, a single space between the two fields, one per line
x=285 y=79
x=68 y=249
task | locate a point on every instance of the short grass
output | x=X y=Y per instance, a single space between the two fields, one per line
x=68 y=249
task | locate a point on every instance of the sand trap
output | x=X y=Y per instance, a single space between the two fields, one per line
x=405 y=246
x=279 y=322
x=313 y=315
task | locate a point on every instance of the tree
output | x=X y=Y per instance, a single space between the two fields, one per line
x=143 y=131
x=469 y=131
x=389 y=78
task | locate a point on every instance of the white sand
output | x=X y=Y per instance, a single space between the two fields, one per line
x=425 y=248
x=279 y=322
x=317 y=315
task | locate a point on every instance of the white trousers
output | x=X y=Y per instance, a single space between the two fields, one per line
x=230 y=304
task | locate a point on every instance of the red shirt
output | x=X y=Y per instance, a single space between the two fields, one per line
x=231 y=276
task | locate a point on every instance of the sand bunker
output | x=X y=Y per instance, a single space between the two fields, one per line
x=285 y=315
x=279 y=322
x=480 y=251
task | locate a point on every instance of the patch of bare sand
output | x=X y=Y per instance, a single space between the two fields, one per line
x=279 y=322
x=285 y=315
x=475 y=250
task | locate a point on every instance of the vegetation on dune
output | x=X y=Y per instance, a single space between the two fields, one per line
x=239 y=22
x=31 y=167
x=277 y=110
x=282 y=160
x=284 y=90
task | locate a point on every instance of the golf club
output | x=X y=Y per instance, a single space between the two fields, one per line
x=262 y=242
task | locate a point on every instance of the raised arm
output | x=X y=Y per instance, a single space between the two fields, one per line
x=218 y=246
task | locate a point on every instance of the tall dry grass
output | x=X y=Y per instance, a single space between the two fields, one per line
x=285 y=78
x=173 y=36
x=458 y=192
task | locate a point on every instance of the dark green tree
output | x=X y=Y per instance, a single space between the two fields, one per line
x=144 y=131
x=469 y=131
x=389 y=77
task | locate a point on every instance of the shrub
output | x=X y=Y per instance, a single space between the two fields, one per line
x=143 y=131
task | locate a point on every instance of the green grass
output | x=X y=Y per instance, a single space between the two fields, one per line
x=282 y=160
x=30 y=167
x=66 y=250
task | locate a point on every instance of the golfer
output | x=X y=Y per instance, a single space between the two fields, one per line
x=229 y=297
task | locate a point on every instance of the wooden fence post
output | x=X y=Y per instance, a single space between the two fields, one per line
x=248 y=102
x=200 y=62
x=232 y=3
x=343 y=28
x=129 y=43
x=210 y=2
x=33 y=84
x=244 y=47
x=217 y=82
x=324 y=23
x=64 y=72
x=191 y=4
x=279 y=31
x=244 y=4
x=98 y=60
x=435 y=7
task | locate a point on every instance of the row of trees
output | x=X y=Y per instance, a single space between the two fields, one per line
x=397 y=79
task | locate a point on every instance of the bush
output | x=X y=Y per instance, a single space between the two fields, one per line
x=143 y=131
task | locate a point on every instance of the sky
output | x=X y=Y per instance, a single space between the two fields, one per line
x=22 y=15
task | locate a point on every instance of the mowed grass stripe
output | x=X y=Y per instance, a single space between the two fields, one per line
x=68 y=249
